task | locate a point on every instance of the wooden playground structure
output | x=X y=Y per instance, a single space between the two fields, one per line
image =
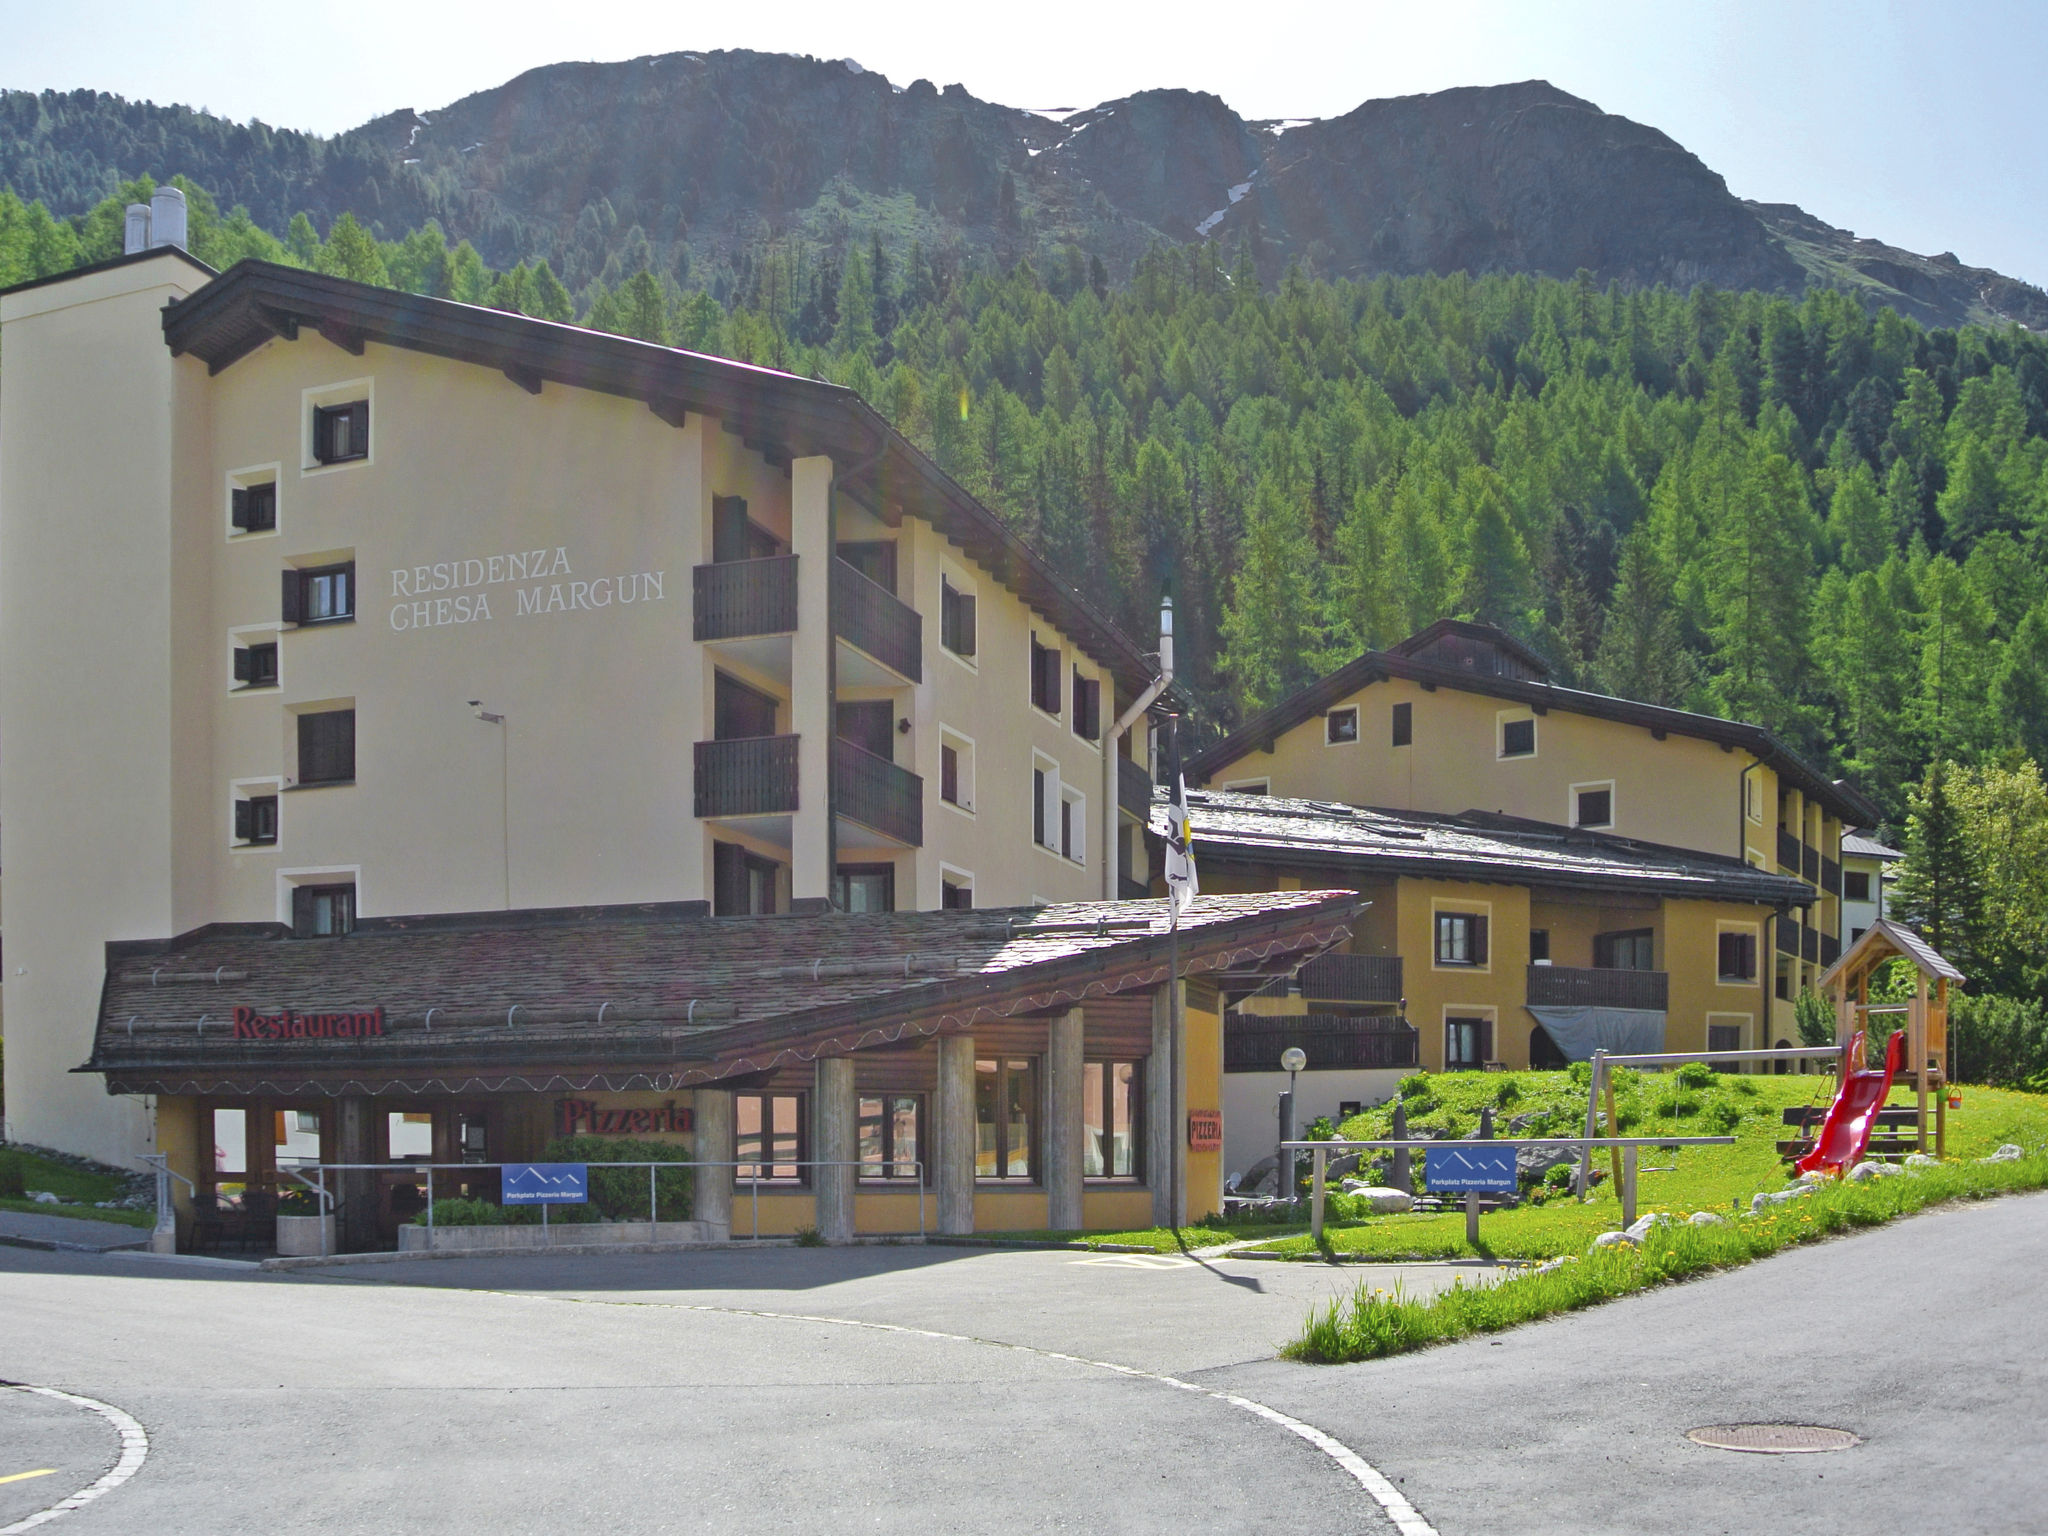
x=1925 y=1067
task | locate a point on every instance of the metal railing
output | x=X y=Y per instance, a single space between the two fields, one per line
x=1133 y=789
x=1353 y=978
x=1572 y=986
x=733 y=598
x=166 y=1207
x=1830 y=877
x=1788 y=850
x=746 y=776
x=778 y=1185
x=867 y=615
x=1254 y=1042
x=876 y=793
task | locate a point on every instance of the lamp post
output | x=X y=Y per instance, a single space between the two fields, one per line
x=1292 y=1060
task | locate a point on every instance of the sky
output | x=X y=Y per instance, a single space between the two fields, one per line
x=1917 y=123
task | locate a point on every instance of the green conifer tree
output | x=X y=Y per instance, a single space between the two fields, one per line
x=351 y=253
x=1642 y=654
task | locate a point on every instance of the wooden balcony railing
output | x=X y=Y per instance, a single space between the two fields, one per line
x=870 y=617
x=1788 y=936
x=1253 y=1042
x=1788 y=850
x=1809 y=864
x=1133 y=789
x=1353 y=978
x=735 y=598
x=1831 y=877
x=750 y=776
x=876 y=793
x=1830 y=949
x=1809 y=945
x=1571 y=986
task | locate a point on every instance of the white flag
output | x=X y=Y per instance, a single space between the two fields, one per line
x=1181 y=885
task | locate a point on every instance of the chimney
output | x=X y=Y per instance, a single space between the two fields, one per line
x=136 y=237
x=167 y=218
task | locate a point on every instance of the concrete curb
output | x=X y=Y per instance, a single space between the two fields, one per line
x=569 y=1250
x=57 y=1245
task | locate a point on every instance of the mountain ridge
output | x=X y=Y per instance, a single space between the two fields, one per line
x=685 y=161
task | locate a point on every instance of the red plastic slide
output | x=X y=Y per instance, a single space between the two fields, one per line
x=1846 y=1131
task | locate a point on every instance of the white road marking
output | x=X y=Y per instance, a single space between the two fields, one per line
x=134 y=1447
x=1138 y=1261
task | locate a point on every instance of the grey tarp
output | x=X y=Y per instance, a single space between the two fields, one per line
x=1579 y=1032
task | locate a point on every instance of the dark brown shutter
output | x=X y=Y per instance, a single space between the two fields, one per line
x=728 y=880
x=302 y=910
x=262 y=507
x=359 y=429
x=1479 y=940
x=965 y=625
x=239 y=513
x=245 y=819
x=245 y=664
x=344 y=743
x=1404 y=724
x=292 y=604
x=1485 y=1038
x=1038 y=806
x=347 y=605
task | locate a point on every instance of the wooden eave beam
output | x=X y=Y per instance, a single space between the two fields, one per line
x=527 y=379
x=347 y=337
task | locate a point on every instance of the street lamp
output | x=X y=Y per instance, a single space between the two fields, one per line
x=1292 y=1060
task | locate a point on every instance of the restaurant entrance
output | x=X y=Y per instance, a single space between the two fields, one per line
x=444 y=1132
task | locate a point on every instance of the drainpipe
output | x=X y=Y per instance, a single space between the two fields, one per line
x=1112 y=814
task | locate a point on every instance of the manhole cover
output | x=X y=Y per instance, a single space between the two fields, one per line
x=1773 y=1439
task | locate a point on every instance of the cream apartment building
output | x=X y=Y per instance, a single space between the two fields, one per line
x=321 y=603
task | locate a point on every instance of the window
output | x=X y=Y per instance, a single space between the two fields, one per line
x=1724 y=1037
x=295 y=1138
x=327 y=747
x=1593 y=805
x=341 y=432
x=320 y=594
x=1045 y=677
x=743 y=884
x=739 y=713
x=256 y=819
x=1468 y=1044
x=956 y=893
x=409 y=1135
x=1404 y=724
x=1539 y=944
x=1045 y=803
x=230 y=1155
x=1340 y=727
x=865 y=888
x=1087 y=707
x=956 y=619
x=956 y=770
x=869 y=724
x=874 y=559
x=256 y=665
x=1518 y=738
x=768 y=1135
x=1460 y=938
x=887 y=1130
x=1073 y=826
x=1855 y=885
x=1737 y=960
x=1005 y=1118
x=1632 y=950
x=1857 y=933
x=1112 y=1100
x=1249 y=787
x=253 y=508
x=735 y=536
x=323 y=911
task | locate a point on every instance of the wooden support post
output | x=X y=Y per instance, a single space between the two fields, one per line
x=1628 y=1186
x=1916 y=1045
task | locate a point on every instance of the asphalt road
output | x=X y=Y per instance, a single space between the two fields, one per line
x=952 y=1390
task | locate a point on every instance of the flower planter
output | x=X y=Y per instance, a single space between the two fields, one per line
x=300 y=1236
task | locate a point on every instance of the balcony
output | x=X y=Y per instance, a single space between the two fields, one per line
x=1809 y=945
x=1571 y=986
x=871 y=619
x=736 y=599
x=750 y=776
x=1253 y=1042
x=1788 y=850
x=1830 y=878
x=1809 y=864
x=876 y=793
x=1133 y=789
x=1788 y=936
x=1830 y=949
x=1353 y=978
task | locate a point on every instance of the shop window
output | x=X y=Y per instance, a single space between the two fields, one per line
x=1468 y=1044
x=889 y=1136
x=252 y=508
x=1112 y=1100
x=739 y=713
x=1855 y=885
x=743 y=884
x=1045 y=677
x=1632 y=950
x=956 y=619
x=1404 y=724
x=735 y=536
x=327 y=747
x=409 y=1136
x=295 y=1141
x=1340 y=727
x=1005 y=1119
x=323 y=911
x=1737 y=956
x=865 y=888
x=341 y=433
x=256 y=665
x=1460 y=938
x=1593 y=805
x=230 y=1155
x=956 y=770
x=256 y=819
x=769 y=1141
x=1539 y=944
x=1518 y=738
x=320 y=594
x=1087 y=707
x=869 y=724
x=874 y=559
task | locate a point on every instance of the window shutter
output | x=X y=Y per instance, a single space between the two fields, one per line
x=345 y=595
x=292 y=604
x=239 y=513
x=245 y=820
x=1479 y=940
x=262 y=507
x=1486 y=1040
x=1038 y=806
x=302 y=910
x=965 y=624
x=1450 y=1042
x=344 y=746
x=245 y=664
x=1404 y=724
x=359 y=429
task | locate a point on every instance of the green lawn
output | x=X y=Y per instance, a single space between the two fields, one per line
x=1698 y=1178
x=78 y=1187
x=1150 y=1239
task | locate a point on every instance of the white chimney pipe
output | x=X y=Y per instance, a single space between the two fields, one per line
x=135 y=236
x=167 y=218
x=1111 y=815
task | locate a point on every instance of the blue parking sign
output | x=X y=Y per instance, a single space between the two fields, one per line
x=547 y=1183
x=1472 y=1170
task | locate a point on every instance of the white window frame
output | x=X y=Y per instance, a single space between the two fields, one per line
x=1501 y=720
x=953 y=576
x=1756 y=932
x=289 y=880
x=243 y=478
x=1357 y=725
x=1571 y=806
x=1051 y=802
x=239 y=638
x=948 y=737
x=1458 y=906
x=1486 y=1011
x=340 y=393
x=255 y=789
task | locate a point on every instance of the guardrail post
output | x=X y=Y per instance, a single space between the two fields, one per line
x=1402 y=1174
x=1628 y=1186
x=1592 y=1124
x=1315 y=1195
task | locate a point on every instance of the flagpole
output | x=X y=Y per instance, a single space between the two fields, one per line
x=1177 y=1164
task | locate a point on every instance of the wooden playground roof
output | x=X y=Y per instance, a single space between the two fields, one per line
x=1885 y=940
